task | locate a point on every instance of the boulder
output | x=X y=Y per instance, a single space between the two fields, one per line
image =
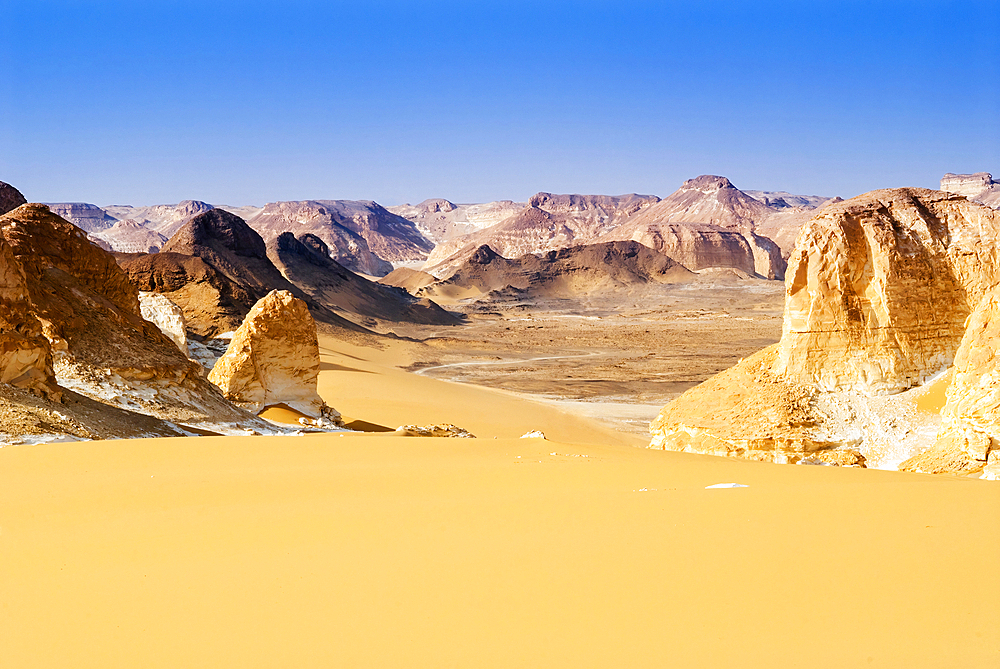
x=274 y=359
x=165 y=315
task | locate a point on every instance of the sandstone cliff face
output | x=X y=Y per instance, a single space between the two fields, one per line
x=696 y=247
x=879 y=288
x=970 y=426
x=306 y=263
x=90 y=314
x=979 y=187
x=274 y=359
x=10 y=198
x=877 y=295
x=25 y=356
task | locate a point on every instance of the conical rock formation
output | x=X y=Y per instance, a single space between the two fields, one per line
x=274 y=359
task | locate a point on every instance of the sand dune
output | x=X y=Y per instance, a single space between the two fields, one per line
x=384 y=551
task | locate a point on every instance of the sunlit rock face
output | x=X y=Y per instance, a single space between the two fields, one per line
x=273 y=358
x=969 y=185
x=879 y=287
x=970 y=419
x=87 y=217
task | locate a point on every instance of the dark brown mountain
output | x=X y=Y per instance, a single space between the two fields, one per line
x=10 y=198
x=306 y=263
x=216 y=268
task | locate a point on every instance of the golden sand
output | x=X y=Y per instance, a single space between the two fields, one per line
x=385 y=551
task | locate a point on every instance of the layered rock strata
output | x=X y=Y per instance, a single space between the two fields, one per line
x=274 y=359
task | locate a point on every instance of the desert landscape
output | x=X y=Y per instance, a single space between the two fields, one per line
x=499 y=335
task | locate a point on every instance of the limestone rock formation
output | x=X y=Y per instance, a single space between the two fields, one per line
x=696 y=246
x=577 y=270
x=89 y=312
x=87 y=217
x=361 y=235
x=877 y=295
x=25 y=355
x=10 y=198
x=307 y=264
x=274 y=359
x=130 y=236
x=979 y=187
x=167 y=316
x=970 y=426
x=439 y=430
x=216 y=268
x=879 y=288
x=408 y=279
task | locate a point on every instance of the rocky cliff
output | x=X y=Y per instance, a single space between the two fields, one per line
x=877 y=295
x=165 y=219
x=440 y=220
x=131 y=236
x=970 y=425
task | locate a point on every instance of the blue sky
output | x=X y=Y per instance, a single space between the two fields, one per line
x=249 y=102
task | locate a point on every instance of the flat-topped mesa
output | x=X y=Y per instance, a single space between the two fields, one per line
x=87 y=217
x=969 y=435
x=969 y=185
x=879 y=287
x=10 y=198
x=25 y=355
x=274 y=359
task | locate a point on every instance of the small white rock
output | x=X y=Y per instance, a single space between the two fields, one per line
x=534 y=434
x=726 y=485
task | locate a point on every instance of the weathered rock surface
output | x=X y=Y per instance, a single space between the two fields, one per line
x=879 y=288
x=970 y=419
x=307 y=264
x=577 y=270
x=439 y=430
x=25 y=355
x=90 y=314
x=87 y=217
x=696 y=246
x=361 y=235
x=131 y=236
x=877 y=294
x=216 y=268
x=10 y=198
x=165 y=315
x=408 y=279
x=274 y=359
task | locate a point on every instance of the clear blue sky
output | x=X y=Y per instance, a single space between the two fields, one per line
x=248 y=102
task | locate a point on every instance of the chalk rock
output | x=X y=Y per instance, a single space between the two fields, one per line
x=441 y=430
x=10 y=198
x=533 y=434
x=131 y=236
x=87 y=217
x=970 y=419
x=879 y=287
x=165 y=315
x=273 y=358
x=25 y=355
